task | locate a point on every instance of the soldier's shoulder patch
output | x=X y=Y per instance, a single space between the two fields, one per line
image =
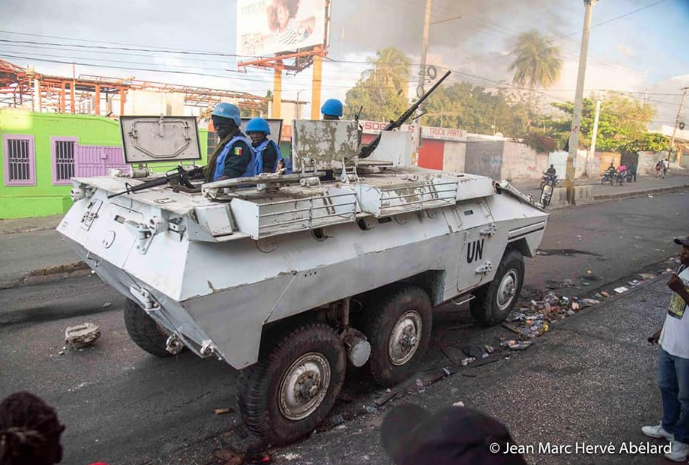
x=237 y=151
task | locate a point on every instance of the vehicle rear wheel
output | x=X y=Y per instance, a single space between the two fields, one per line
x=398 y=326
x=495 y=300
x=294 y=385
x=144 y=331
x=546 y=195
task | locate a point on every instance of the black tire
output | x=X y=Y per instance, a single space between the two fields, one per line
x=485 y=308
x=380 y=319
x=144 y=331
x=259 y=385
x=603 y=180
x=612 y=180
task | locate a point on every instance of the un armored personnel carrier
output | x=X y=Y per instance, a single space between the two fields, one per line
x=291 y=278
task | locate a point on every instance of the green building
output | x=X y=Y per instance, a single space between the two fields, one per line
x=40 y=152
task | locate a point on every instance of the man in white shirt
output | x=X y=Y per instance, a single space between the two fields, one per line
x=673 y=364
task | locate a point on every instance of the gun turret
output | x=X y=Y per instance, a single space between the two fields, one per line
x=367 y=150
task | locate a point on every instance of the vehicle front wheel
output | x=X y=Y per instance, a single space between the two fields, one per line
x=495 y=300
x=294 y=385
x=144 y=331
x=398 y=326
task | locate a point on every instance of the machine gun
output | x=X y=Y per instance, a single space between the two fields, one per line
x=178 y=177
x=367 y=150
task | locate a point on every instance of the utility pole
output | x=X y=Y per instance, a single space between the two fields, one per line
x=578 y=101
x=594 y=136
x=679 y=111
x=422 y=73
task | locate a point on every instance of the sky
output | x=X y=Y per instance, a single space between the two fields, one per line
x=636 y=46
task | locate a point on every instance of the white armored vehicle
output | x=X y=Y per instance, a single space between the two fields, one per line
x=292 y=277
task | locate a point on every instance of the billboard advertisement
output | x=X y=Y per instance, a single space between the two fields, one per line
x=266 y=27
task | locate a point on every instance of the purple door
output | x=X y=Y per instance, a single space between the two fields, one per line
x=95 y=160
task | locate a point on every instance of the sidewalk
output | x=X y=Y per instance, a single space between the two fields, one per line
x=32 y=244
x=590 y=380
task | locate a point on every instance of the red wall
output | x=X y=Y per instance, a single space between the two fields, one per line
x=431 y=154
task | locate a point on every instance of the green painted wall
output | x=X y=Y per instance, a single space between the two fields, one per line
x=44 y=198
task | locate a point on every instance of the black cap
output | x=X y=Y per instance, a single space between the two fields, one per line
x=455 y=435
x=682 y=241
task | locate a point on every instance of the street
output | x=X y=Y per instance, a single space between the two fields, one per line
x=580 y=382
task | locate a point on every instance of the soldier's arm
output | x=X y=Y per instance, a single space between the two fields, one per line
x=269 y=158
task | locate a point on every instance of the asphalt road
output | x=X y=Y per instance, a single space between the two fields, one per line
x=123 y=406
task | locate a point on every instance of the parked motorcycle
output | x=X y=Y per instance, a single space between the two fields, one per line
x=620 y=177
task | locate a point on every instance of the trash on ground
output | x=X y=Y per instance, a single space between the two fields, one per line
x=458 y=404
x=647 y=276
x=228 y=457
x=107 y=304
x=634 y=283
x=468 y=361
x=223 y=411
x=621 y=290
x=389 y=395
x=80 y=336
x=474 y=352
x=605 y=294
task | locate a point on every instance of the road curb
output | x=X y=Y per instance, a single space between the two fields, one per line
x=50 y=274
x=626 y=195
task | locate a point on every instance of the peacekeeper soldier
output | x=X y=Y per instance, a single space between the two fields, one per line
x=267 y=152
x=233 y=157
x=332 y=109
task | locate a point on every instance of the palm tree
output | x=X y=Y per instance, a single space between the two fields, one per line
x=537 y=63
x=390 y=69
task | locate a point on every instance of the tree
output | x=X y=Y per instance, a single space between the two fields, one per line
x=390 y=68
x=621 y=127
x=537 y=63
x=381 y=89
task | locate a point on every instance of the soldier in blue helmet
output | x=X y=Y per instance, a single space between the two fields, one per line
x=332 y=109
x=267 y=152
x=233 y=157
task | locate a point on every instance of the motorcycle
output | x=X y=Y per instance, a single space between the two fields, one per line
x=547 y=187
x=620 y=177
x=548 y=178
x=609 y=177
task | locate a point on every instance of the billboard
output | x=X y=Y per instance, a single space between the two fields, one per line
x=266 y=27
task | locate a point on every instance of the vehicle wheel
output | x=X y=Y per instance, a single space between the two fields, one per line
x=612 y=181
x=294 y=385
x=546 y=195
x=144 y=331
x=541 y=186
x=603 y=180
x=495 y=300
x=398 y=326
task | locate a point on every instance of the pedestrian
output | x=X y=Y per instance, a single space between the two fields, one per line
x=666 y=166
x=658 y=167
x=411 y=435
x=632 y=171
x=673 y=364
x=29 y=431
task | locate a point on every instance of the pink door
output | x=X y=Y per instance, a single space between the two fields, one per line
x=95 y=160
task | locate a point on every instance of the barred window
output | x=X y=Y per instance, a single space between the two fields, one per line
x=213 y=141
x=62 y=153
x=19 y=160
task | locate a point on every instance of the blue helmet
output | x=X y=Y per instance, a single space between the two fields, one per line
x=229 y=111
x=332 y=107
x=258 y=125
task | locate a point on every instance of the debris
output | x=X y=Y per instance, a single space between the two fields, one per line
x=588 y=272
x=650 y=196
x=488 y=348
x=78 y=337
x=467 y=361
x=575 y=306
x=62 y=352
x=605 y=294
x=370 y=409
x=571 y=312
x=647 y=276
x=448 y=353
x=228 y=457
x=223 y=411
x=522 y=345
x=458 y=404
x=340 y=427
x=107 y=304
x=336 y=420
x=590 y=302
x=567 y=283
x=389 y=395
x=511 y=328
x=473 y=352
x=634 y=283
x=585 y=284
x=621 y=289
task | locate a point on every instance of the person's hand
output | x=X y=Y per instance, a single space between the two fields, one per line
x=675 y=283
x=653 y=338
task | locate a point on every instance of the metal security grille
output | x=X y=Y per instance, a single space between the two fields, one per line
x=64 y=160
x=19 y=160
x=213 y=141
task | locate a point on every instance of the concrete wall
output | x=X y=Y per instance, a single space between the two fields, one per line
x=45 y=198
x=647 y=162
x=484 y=157
x=520 y=161
x=454 y=156
x=606 y=158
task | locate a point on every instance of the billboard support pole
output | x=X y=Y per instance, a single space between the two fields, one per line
x=277 y=90
x=316 y=84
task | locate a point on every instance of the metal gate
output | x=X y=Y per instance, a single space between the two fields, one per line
x=94 y=160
